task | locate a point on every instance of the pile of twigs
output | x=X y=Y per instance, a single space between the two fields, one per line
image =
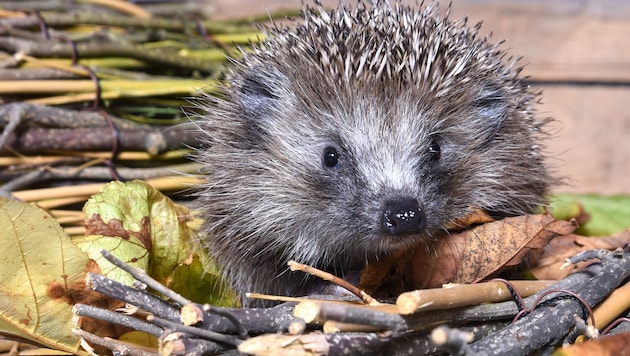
x=92 y=91
x=556 y=315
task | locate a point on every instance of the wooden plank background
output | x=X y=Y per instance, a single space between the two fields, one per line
x=577 y=51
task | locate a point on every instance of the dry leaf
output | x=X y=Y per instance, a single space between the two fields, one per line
x=605 y=345
x=476 y=217
x=391 y=274
x=281 y=345
x=385 y=273
x=42 y=274
x=547 y=265
x=478 y=253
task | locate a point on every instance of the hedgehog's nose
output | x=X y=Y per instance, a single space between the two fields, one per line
x=401 y=216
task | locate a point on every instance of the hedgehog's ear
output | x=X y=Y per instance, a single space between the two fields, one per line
x=261 y=91
x=492 y=107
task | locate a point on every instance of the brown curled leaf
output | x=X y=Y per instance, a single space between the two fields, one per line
x=547 y=265
x=606 y=345
x=392 y=273
x=475 y=217
x=476 y=254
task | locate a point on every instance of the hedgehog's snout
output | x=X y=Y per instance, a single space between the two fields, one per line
x=402 y=216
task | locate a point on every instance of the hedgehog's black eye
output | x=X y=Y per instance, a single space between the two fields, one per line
x=434 y=150
x=330 y=158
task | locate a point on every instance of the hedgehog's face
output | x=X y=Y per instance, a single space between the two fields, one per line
x=387 y=171
x=363 y=172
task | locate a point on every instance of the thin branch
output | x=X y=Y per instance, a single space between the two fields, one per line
x=86 y=190
x=56 y=49
x=206 y=334
x=42 y=174
x=111 y=344
x=177 y=343
x=116 y=318
x=361 y=294
x=34 y=115
x=143 y=277
x=154 y=141
x=139 y=298
x=174 y=23
x=454 y=341
x=462 y=295
x=549 y=323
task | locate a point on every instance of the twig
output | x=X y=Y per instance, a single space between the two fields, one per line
x=35 y=74
x=363 y=316
x=177 y=343
x=82 y=157
x=613 y=306
x=143 y=277
x=583 y=329
x=42 y=174
x=54 y=48
x=111 y=344
x=452 y=340
x=331 y=326
x=402 y=340
x=351 y=343
x=59 y=86
x=116 y=318
x=208 y=319
x=34 y=115
x=620 y=325
x=206 y=334
x=13 y=119
x=462 y=295
x=176 y=24
x=124 y=7
x=135 y=297
x=311 y=312
x=86 y=190
x=20 y=182
x=297 y=327
x=59 y=202
x=275 y=298
x=228 y=314
x=367 y=299
x=549 y=323
x=153 y=141
x=256 y=321
x=276 y=344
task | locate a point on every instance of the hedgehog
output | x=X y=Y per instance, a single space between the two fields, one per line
x=359 y=131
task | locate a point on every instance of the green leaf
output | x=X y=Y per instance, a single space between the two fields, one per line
x=143 y=227
x=195 y=279
x=138 y=213
x=608 y=214
x=130 y=250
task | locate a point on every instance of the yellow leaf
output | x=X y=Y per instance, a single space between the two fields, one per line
x=40 y=271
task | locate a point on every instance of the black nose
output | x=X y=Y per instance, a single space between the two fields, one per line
x=402 y=215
